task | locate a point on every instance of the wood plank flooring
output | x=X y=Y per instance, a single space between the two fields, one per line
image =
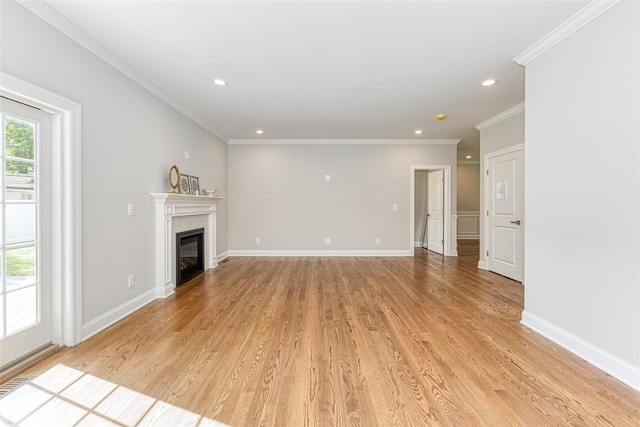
x=407 y=341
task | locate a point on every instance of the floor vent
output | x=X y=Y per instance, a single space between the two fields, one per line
x=13 y=384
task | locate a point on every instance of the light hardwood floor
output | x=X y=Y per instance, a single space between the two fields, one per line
x=315 y=341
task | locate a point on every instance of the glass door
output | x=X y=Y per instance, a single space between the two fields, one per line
x=25 y=289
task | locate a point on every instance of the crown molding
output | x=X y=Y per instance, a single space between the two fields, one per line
x=500 y=117
x=62 y=24
x=343 y=141
x=577 y=21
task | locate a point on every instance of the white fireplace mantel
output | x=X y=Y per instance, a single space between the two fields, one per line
x=170 y=206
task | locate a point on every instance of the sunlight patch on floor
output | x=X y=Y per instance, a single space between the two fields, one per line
x=63 y=397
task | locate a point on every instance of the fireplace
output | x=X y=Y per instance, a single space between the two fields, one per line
x=189 y=255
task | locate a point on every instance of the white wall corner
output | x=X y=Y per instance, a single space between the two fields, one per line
x=221 y=257
x=482 y=265
x=571 y=25
x=609 y=363
x=500 y=117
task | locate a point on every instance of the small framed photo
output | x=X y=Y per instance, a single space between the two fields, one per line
x=184 y=184
x=194 y=185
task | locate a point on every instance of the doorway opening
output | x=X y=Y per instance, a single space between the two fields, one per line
x=64 y=216
x=448 y=243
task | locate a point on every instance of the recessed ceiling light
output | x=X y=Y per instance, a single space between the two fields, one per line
x=468 y=157
x=489 y=82
x=219 y=82
x=260 y=131
x=418 y=132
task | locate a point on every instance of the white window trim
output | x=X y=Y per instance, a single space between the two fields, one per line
x=65 y=204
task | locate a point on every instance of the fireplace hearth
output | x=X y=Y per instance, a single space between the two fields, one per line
x=189 y=255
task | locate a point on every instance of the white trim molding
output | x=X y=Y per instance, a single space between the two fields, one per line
x=319 y=253
x=571 y=25
x=102 y=322
x=468 y=225
x=449 y=237
x=500 y=117
x=62 y=24
x=66 y=203
x=259 y=141
x=168 y=207
x=609 y=363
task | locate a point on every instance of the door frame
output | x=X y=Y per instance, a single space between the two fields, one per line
x=440 y=187
x=66 y=227
x=487 y=196
x=449 y=249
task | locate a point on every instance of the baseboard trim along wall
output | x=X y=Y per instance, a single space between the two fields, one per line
x=468 y=225
x=293 y=253
x=609 y=363
x=221 y=257
x=109 y=318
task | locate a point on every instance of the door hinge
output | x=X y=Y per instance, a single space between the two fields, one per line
x=487 y=213
x=487 y=171
x=487 y=253
x=443 y=242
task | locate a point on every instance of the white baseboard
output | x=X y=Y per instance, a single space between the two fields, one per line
x=468 y=236
x=417 y=244
x=609 y=363
x=482 y=265
x=224 y=255
x=102 y=322
x=302 y=253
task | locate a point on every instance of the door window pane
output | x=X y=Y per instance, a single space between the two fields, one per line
x=19 y=138
x=22 y=309
x=20 y=180
x=21 y=267
x=20 y=223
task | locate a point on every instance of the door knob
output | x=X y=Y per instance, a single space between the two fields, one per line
x=516 y=222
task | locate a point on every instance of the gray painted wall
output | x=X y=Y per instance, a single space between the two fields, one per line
x=278 y=193
x=583 y=186
x=130 y=138
x=468 y=187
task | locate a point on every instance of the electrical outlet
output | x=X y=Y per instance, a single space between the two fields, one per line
x=377 y=240
x=130 y=210
x=327 y=240
x=187 y=156
x=257 y=240
x=327 y=177
x=395 y=207
x=132 y=280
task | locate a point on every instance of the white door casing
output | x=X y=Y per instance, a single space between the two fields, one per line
x=25 y=243
x=66 y=213
x=504 y=190
x=449 y=247
x=435 y=209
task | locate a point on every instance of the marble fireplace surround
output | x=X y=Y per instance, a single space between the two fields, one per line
x=175 y=213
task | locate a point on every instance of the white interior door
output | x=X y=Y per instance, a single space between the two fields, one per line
x=25 y=283
x=435 y=208
x=505 y=215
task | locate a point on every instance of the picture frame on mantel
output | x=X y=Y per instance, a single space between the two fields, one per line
x=194 y=185
x=185 y=184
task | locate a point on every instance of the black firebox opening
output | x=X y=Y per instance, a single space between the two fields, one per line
x=189 y=255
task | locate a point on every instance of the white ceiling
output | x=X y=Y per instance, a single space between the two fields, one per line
x=325 y=70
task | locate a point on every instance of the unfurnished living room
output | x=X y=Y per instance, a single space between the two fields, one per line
x=322 y=213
